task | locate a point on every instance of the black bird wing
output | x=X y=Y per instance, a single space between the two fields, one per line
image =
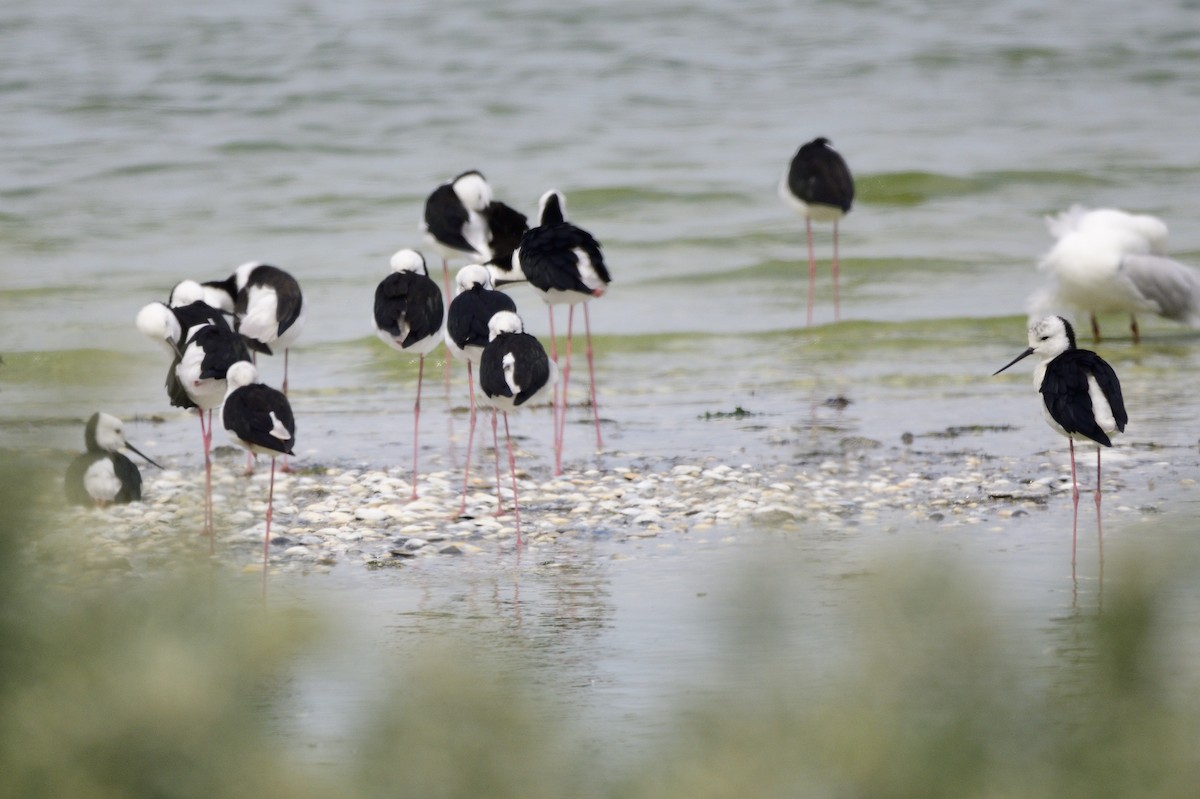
x=507 y=226
x=445 y=217
x=198 y=313
x=176 y=392
x=222 y=349
x=470 y=312
x=531 y=367
x=129 y=476
x=818 y=174
x=288 y=298
x=1065 y=391
x=550 y=261
x=247 y=413
x=411 y=297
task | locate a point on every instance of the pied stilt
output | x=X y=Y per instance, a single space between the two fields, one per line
x=506 y=226
x=819 y=187
x=269 y=307
x=466 y=336
x=102 y=474
x=565 y=264
x=514 y=371
x=201 y=371
x=410 y=317
x=1108 y=261
x=1081 y=399
x=259 y=418
x=454 y=221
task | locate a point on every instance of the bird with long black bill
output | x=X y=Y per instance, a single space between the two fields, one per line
x=410 y=317
x=466 y=336
x=1080 y=398
x=818 y=185
x=565 y=264
x=259 y=419
x=102 y=474
x=514 y=372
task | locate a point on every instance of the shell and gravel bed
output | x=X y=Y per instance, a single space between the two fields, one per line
x=339 y=516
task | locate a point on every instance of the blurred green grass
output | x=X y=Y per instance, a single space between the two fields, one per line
x=171 y=686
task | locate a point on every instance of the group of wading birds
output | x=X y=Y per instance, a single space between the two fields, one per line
x=1102 y=261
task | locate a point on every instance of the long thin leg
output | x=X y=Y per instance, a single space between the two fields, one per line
x=285 y=468
x=496 y=452
x=1095 y=329
x=561 y=422
x=206 y=438
x=512 y=470
x=587 y=324
x=448 y=296
x=267 y=532
x=1133 y=328
x=554 y=391
x=417 y=422
x=1075 y=502
x=837 y=311
x=1099 y=526
x=812 y=269
x=462 y=508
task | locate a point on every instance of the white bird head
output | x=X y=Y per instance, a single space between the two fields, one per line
x=1048 y=337
x=504 y=322
x=409 y=261
x=107 y=432
x=473 y=275
x=242 y=373
x=158 y=323
x=473 y=190
x=185 y=293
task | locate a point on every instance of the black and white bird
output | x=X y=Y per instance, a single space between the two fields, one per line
x=818 y=185
x=1080 y=397
x=506 y=226
x=269 y=307
x=454 y=221
x=565 y=264
x=201 y=371
x=1105 y=260
x=102 y=474
x=514 y=372
x=467 y=334
x=259 y=419
x=410 y=317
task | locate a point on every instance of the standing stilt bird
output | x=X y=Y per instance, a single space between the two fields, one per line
x=514 y=372
x=466 y=336
x=819 y=187
x=409 y=317
x=1081 y=399
x=102 y=474
x=565 y=264
x=259 y=418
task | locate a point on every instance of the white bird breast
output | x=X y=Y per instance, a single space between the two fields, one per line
x=100 y=480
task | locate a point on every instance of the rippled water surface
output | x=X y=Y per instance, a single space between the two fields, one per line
x=146 y=144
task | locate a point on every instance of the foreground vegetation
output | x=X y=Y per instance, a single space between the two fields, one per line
x=173 y=685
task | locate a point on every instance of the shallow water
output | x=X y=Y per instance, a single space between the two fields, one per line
x=146 y=146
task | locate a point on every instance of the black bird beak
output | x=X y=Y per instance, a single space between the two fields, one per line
x=132 y=448
x=1024 y=354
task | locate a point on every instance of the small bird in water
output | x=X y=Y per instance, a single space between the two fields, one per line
x=1081 y=398
x=818 y=186
x=102 y=474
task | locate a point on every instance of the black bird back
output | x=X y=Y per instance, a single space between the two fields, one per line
x=549 y=261
x=411 y=297
x=125 y=469
x=247 y=413
x=288 y=301
x=445 y=216
x=1065 y=392
x=818 y=175
x=470 y=312
x=530 y=364
x=507 y=226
